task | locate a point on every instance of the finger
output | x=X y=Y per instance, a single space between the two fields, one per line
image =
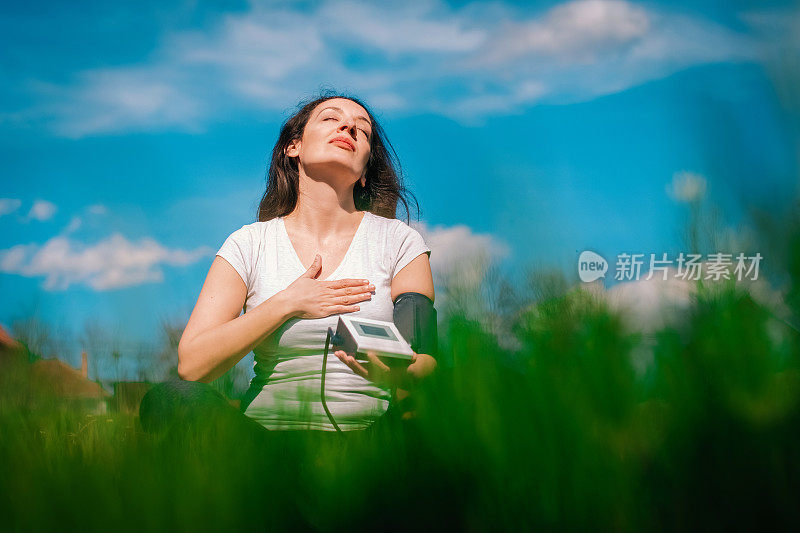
x=423 y=366
x=356 y=366
x=353 y=299
x=313 y=270
x=414 y=362
x=341 y=355
x=373 y=359
x=359 y=289
x=340 y=309
x=342 y=283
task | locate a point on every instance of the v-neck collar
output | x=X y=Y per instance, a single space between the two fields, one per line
x=299 y=263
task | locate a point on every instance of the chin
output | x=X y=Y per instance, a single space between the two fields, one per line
x=334 y=167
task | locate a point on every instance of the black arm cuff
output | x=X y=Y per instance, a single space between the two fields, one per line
x=415 y=318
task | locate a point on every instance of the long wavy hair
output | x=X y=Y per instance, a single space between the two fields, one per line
x=384 y=185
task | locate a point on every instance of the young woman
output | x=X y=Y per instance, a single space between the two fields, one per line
x=326 y=243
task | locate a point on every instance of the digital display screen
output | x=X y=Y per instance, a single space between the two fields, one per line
x=375 y=331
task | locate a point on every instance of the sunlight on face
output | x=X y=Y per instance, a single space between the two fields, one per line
x=336 y=141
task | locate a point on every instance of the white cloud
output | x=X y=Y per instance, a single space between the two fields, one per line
x=97 y=209
x=648 y=305
x=135 y=97
x=466 y=63
x=13 y=259
x=405 y=27
x=461 y=262
x=9 y=205
x=473 y=108
x=687 y=187
x=42 y=210
x=74 y=224
x=587 y=48
x=459 y=256
x=579 y=32
x=112 y=263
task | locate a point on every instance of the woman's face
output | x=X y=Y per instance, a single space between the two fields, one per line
x=336 y=141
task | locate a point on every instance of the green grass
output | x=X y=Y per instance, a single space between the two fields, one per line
x=564 y=432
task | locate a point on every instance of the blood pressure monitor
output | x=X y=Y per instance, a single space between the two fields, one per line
x=357 y=336
x=413 y=312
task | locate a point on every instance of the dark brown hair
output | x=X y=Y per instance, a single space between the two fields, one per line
x=384 y=187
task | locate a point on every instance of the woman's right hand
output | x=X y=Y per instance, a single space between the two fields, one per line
x=313 y=298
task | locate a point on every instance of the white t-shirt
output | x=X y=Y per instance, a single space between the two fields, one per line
x=288 y=364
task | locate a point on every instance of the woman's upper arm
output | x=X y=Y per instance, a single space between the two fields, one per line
x=416 y=276
x=221 y=299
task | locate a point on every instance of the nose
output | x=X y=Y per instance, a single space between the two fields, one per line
x=348 y=124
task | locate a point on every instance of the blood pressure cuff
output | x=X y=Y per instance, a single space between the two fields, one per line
x=415 y=318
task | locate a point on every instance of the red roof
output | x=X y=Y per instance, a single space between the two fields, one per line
x=6 y=340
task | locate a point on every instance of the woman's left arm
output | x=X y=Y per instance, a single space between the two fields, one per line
x=416 y=276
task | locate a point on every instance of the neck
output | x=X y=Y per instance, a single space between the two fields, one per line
x=323 y=209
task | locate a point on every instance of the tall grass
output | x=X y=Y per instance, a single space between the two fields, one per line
x=579 y=424
x=561 y=433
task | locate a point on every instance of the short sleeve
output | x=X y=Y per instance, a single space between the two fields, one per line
x=409 y=244
x=238 y=251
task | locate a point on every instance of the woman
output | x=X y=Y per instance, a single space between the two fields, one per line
x=326 y=244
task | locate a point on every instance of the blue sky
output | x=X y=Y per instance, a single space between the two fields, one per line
x=134 y=139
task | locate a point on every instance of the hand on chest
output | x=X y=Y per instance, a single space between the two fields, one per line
x=334 y=250
x=332 y=254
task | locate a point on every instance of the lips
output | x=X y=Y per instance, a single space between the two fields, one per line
x=344 y=141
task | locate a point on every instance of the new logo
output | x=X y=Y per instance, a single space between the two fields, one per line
x=591 y=266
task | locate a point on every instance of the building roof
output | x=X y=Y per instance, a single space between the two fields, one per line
x=6 y=340
x=60 y=379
